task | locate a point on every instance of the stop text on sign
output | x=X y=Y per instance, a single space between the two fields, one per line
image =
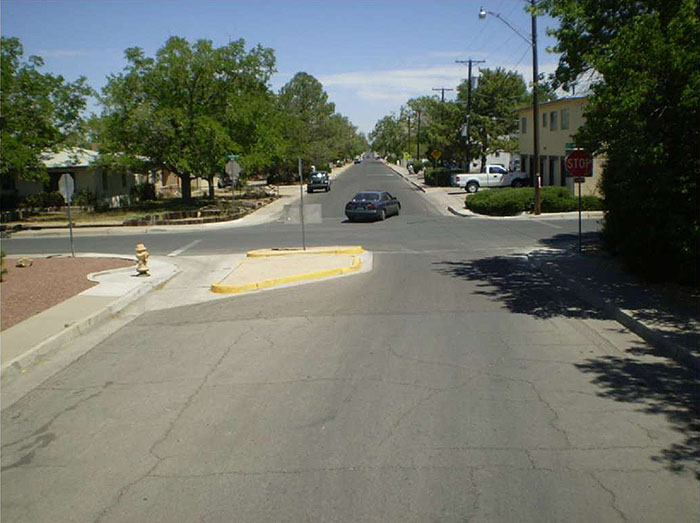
x=579 y=163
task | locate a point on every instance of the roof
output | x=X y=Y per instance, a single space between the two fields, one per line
x=71 y=157
x=558 y=100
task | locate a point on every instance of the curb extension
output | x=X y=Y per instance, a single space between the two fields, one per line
x=271 y=282
x=660 y=342
x=19 y=365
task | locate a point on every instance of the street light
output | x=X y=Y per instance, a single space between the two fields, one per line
x=535 y=78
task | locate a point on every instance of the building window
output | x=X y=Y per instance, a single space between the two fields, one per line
x=564 y=118
x=544 y=119
x=553 y=121
x=523 y=125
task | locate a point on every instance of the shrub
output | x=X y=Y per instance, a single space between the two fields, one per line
x=84 y=198
x=143 y=192
x=43 y=200
x=511 y=201
x=438 y=176
x=417 y=166
x=282 y=178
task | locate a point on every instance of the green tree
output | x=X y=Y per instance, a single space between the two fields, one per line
x=39 y=112
x=389 y=136
x=643 y=116
x=181 y=109
x=493 y=117
x=309 y=119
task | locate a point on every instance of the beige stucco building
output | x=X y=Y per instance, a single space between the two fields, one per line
x=559 y=120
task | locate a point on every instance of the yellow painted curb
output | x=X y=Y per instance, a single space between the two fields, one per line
x=266 y=253
x=257 y=285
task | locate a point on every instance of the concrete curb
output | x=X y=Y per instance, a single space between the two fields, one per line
x=258 y=285
x=660 y=342
x=574 y=214
x=405 y=178
x=460 y=212
x=266 y=253
x=20 y=364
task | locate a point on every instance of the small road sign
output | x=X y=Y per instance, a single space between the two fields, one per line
x=66 y=186
x=436 y=155
x=233 y=169
x=579 y=163
x=579 y=179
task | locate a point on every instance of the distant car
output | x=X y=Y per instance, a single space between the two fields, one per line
x=224 y=181
x=372 y=204
x=357 y=160
x=318 y=180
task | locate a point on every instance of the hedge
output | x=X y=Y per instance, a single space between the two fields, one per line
x=510 y=201
x=439 y=176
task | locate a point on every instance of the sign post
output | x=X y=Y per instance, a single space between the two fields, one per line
x=233 y=170
x=66 y=186
x=301 y=208
x=579 y=164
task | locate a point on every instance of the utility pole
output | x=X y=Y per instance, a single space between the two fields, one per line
x=443 y=89
x=535 y=113
x=469 y=102
x=409 y=134
x=418 y=138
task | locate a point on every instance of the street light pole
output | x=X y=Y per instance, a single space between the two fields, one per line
x=535 y=174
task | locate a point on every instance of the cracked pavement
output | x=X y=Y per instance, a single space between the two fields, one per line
x=445 y=385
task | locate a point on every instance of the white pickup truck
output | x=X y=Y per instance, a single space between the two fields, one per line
x=493 y=176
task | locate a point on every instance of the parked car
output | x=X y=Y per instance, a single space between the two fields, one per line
x=318 y=180
x=493 y=176
x=372 y=204
x=224 y=181
x=357 y=160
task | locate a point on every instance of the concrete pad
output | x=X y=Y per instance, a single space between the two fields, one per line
x=265 y=268
x=256 y=273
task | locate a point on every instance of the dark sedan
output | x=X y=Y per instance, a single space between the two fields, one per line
x=372 y=204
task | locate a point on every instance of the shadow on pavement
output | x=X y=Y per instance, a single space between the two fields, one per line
x=658 y=385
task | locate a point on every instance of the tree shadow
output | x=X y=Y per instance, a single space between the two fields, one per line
x=519 y=286
x=658 y=385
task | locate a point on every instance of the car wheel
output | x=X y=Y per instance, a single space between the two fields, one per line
x=309 y=191
x=472 y=187
x=517 y=183
x=382 y=215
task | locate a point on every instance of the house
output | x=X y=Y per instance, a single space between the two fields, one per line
x=559 y=120
x=105 y=185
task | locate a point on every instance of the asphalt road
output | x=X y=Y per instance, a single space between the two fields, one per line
x=450 y=383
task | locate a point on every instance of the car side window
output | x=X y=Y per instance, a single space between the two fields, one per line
x=385 y=197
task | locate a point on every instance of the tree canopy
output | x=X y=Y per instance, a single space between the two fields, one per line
x=39 y=112
x=643 y=116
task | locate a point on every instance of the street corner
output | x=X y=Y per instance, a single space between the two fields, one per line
x=266 y=268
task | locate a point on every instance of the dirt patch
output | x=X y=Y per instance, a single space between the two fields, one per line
x=27 y=291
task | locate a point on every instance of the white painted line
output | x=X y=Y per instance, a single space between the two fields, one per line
x=543 y=222
x=183 y=249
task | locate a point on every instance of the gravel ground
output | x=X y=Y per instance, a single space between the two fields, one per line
x=27 y=291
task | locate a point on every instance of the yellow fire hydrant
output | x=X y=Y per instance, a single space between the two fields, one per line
x=142 y=259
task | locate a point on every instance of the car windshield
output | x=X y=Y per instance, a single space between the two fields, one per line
x=367 y=196
x=317 y=177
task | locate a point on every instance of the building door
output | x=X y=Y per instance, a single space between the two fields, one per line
x=552 y=170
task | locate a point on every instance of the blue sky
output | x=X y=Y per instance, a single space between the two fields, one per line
x=371 y=56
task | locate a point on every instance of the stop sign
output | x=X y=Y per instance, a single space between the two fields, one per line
x=579 y=163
